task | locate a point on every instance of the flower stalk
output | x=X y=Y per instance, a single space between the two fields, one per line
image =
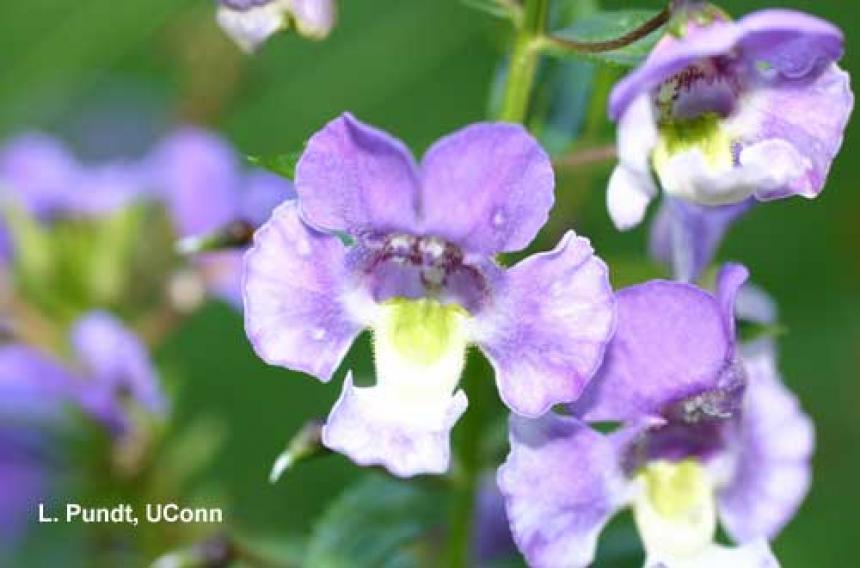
x=524 y=60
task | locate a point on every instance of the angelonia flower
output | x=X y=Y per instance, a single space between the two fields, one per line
x=200 y=181
x=111 y=375
x=419 y=272
x=250 y=23
x=708 y=434
x=725 y=111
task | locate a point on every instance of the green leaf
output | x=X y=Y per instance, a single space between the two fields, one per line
x=605 y=26
x=498 y=8
x=378 y=522
x=282 y=164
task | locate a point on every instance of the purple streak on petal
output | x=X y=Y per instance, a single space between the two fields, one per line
x=198 y=176
x=38 y=171
x=547 y=330
x=773 y=447
x=670 y=344
x=118 y=365
x=355 y=178
x=488 y=188
x=561 y=482
x=793 y=42
x=791 y=110
x=492 y=540
x=295 y=282
x=686 y=236
x=263 y=192
x=670 y=56
x=357 y=428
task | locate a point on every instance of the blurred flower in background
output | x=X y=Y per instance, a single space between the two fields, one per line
x=251 y=22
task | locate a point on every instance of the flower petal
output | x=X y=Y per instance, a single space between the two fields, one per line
x=547 y=330
x=670 y=344
x=116 y=362
x=374 y=426
x=561 y=482
x=263 y=192
x=199 y=179
x=756 y=554
x=487 y=187
x=792 y=42
x=294 y=289
x=249 y=24
x=774 y=444
x=686 y=236
x=781 y=126
x=33 y=387
x=492 y=541
x=631 y=187
x=730 y=279
x=314 y=18
x=37 y=170
x=355 y=178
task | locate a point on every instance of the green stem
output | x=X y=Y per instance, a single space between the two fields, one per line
x=524 y=60
x=468 y=469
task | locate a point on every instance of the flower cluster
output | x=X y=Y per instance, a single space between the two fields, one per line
x=644 y=398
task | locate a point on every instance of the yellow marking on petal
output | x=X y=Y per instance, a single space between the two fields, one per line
x=703 y=133
x=676 y=510
x=423 y=330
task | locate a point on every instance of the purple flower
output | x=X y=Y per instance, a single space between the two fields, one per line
x=199 y=178
x=730 y=110
x=492 y=541
x=251 y=22
x=422 y=277
x=685 y=236
x=708 y=433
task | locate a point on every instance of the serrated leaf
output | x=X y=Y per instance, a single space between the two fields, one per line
x=282 y=164
x=377 y=522
x=609 y=25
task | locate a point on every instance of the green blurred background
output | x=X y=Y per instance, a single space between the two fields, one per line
x=112 y=76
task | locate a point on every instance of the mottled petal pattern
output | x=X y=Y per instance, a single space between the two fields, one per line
x=548 y=328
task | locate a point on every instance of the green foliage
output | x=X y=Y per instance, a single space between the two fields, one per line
x=609 y=25
x=282 y=164
x=377 y=522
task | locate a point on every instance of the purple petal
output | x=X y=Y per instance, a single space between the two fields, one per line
x=792 y=42
x=117 y=363
x=357 y=179
x=222 y=273
x=24 y=487
x=492 y=540
x=263 y=193
x=790 y=111
x=546 y=333
x=773 y=450
x=295 y=287
x=670 y=344
x=33 y=387
x=371 y=428
x=488 y=188
x=561 y=482
x=729 y=281
x=199 y=179
x=686 y=236
x=38 y=171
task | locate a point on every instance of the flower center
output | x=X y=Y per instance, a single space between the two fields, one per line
x=675 y=510
x=703 y=133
